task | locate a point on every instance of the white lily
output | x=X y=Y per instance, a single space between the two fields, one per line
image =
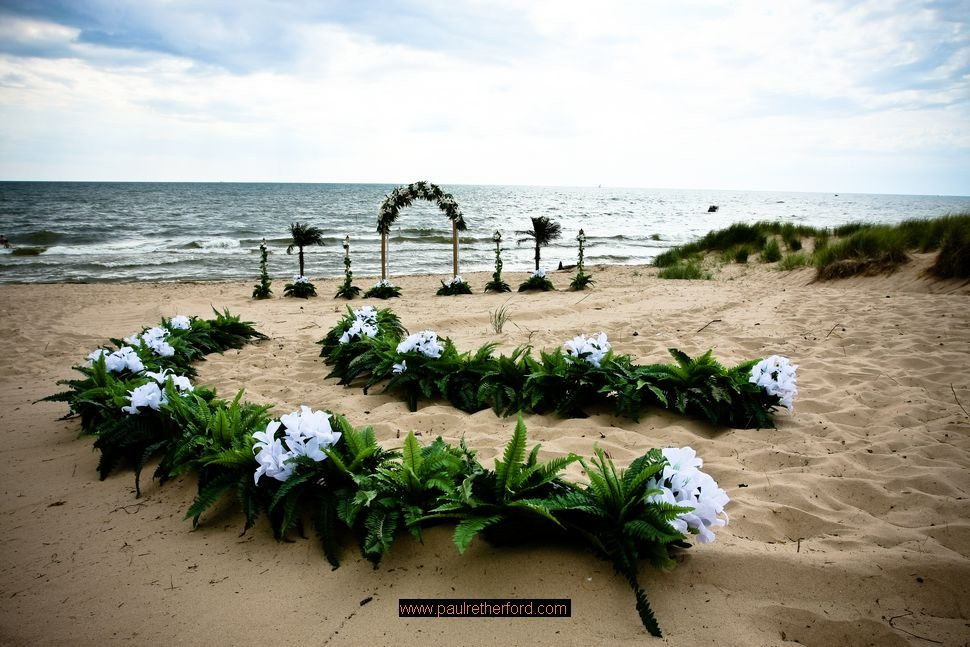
x=683 y=484
x=147 y=395
x=777 y=376
x=180 y=322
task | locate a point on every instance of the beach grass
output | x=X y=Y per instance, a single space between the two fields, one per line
x=684 y=269
x=852 y=249
x=770 y=252
x=794 y=261
x=953 y=261
x=498 y=318
x=869 y=251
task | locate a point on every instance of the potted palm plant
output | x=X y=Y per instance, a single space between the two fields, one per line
x=543 y=232
x=304 y=235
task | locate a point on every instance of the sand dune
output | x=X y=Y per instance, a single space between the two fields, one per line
x=850 y=523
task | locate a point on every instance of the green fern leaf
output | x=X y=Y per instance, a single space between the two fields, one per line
x=207 y=497
x=411 y=454
x=466 y=530
x=508 y=468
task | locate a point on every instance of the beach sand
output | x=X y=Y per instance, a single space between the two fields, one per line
x=850 y=523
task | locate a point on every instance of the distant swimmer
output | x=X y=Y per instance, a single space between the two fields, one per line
x=4 y=241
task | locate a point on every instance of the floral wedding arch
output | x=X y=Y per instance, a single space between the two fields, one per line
x=404 y=196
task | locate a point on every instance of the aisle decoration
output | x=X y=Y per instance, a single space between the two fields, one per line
x=347 y=340
x=497 y=284
x=584 y=372
x=454 y=286
x=303 y=235
x=537 y=281
x=124 y=395
x=582 y=279
x=262 y=290
x=543 y=232
x=347 y=290
x=312 y=464
x=383 y=289
x=300 y=287
x=776 y=375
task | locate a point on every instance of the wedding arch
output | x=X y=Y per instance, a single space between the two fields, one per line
x=404 y=196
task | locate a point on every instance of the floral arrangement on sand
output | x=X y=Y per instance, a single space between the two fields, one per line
x=584 y=372
x=453 y=286
x=383 y=289
x=313 y=466
x=300 y=287
x=537 y=281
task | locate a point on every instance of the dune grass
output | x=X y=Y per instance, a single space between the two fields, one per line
x=868 y=251
x=771 y=252
x=847 y=250
x=793 y=261
x=684 y=269
x=737 y=254
x=953 y=260
x=740 y=234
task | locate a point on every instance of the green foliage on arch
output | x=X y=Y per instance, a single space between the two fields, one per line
x=404 y=196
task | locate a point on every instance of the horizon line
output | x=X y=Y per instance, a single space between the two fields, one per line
x=490 y=184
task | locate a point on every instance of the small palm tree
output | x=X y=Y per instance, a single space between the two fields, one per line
x=543 y=232
x=303 y=236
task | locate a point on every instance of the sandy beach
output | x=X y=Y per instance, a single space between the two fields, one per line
x=850 y=522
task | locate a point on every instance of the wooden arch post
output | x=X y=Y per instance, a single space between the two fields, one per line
x=454 y=247
x=383 y=256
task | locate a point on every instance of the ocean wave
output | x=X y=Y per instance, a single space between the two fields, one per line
x=213 y=243
x=99 y=231
x=439 y=238
x=132 y=246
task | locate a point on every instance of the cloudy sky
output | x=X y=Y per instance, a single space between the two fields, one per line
x=818 y=96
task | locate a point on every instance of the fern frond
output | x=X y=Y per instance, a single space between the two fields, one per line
x=507 y=469
x=466 y=530
x=207 y=497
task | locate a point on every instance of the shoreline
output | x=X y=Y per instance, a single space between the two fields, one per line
x=851 y=512
x=912 y=276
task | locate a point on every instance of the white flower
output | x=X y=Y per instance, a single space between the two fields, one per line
x=424 y=342
x=180 y=322
x=272 y=461
x=299 y=278
x=366 y=313
x=400 y=368
x=457 y=280
x=154 y=333
x=683 y=484
x=154 y=338
x=121 y=359
x=146 y=395
x=307 y=433
x=592 y=349
x=384 y=283
x=776 y=375
x=180 y=382
x=539 y=274
x=358 y=330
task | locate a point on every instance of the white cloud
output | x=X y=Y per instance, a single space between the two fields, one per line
x=741 y=95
